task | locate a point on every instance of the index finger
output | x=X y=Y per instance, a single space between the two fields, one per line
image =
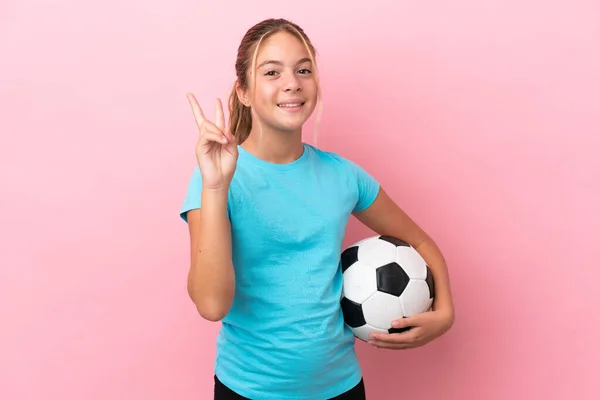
x=198 y=114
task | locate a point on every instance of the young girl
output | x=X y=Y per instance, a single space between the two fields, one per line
x=267 y=215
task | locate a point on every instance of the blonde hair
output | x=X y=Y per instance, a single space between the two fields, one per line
x=240 y=115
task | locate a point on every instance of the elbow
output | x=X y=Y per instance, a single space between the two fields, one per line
x=212 y=314
x=211 y=309
x=212 y=302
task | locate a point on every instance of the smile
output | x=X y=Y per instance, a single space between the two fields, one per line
x=290 y=105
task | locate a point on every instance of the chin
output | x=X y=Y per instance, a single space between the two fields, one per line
x=287 y=128
x=291 y=125
x=293 y=120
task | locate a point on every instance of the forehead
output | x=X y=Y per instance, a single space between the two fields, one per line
x=282 y=46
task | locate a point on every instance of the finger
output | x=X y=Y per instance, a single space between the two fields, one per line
x=404 y=337
x=393 y=340
x=392 y=346
x=196 y=109
x=405 y=323
x=210 y=127
x=401 y=330
x=229 y=136
x=207 y=137
x=219 y=115
x=220 y=121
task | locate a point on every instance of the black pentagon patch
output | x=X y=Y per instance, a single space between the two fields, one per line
x=430 y=284
x=349 y=257
x=392 y=279
x=399 y=330
x=353 y=314
x=395 y=241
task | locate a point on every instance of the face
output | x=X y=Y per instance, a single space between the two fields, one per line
x=286 y=92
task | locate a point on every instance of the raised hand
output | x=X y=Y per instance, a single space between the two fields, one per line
x=216 y=149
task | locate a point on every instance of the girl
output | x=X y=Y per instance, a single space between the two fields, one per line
x=267 y=215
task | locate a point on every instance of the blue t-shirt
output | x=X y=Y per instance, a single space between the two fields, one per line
x=285 y=337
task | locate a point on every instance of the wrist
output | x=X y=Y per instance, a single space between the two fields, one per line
x=214 y=199
x=444 y=307
x=216 y=190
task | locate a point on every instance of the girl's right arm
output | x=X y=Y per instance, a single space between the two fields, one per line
x=211 y=279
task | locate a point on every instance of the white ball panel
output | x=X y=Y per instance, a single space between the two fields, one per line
x=381 y=309
x=363 y=332
x=415 y=298
x=360 y=282
x=377 y=252
x=361 y=241
x=411 y=262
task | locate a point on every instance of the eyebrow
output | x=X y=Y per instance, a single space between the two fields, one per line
x=302 y=61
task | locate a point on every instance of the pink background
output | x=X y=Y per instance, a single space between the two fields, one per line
x=481 y=118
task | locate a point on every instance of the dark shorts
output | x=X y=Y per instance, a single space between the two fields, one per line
x=222 y=392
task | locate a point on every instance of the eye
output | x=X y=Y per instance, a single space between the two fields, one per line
x=270 y=73
x=305 y=71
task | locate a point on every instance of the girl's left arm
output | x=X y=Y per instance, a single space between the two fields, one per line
x=385 y=217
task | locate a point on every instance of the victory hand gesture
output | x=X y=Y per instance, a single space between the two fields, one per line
x=216 y=149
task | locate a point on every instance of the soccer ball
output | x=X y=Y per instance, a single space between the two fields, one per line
x=384 y=278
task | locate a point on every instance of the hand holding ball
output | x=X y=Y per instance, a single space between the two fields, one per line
x=384 y=279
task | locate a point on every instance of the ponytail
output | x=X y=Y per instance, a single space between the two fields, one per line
x=240 y=118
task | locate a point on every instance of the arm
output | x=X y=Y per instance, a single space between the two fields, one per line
x=211 y=279
x=386 y=218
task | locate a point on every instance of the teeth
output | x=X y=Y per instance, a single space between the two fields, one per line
x=290 y=105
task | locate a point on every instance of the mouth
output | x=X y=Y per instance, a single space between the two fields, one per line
x=291 y=105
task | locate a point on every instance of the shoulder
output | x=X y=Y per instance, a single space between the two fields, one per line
x=361 y=183
x=327 y=156
x=336 y=159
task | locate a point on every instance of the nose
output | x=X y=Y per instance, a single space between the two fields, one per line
x=292 y=84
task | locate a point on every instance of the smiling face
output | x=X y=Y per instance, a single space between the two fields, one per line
x=283 y=91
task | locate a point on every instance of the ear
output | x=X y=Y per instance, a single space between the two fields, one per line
x=242 y=95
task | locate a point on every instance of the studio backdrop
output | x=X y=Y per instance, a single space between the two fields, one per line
x=481 y=119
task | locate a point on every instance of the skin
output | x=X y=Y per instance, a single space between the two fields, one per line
x=211 y=278
x=276 y=136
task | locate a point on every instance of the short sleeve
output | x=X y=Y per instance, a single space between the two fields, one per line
x=193 y=195
x=368 y=187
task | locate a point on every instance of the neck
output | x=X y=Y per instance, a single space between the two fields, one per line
x=275 y=147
